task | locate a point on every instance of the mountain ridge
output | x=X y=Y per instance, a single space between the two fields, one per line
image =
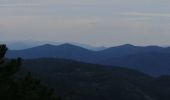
x=83 y=81
x=30 y=44
x=145 y=59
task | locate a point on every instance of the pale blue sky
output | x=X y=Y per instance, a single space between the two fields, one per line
x=95 y=22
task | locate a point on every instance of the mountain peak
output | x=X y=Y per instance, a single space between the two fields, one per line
x=67 y=44
x=127 y=45
x=48 y=45
x=51 y=45
x=70 y=46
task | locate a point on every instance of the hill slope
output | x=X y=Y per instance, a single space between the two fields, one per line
x=81 y=81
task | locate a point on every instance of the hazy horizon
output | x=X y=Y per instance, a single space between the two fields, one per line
x=18 y=45
x=95 y=22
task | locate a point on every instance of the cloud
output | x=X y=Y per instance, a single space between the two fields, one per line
x=147 y=14
x=20 y=5
x=93 y=21
x=53 y=2
x=42 y=25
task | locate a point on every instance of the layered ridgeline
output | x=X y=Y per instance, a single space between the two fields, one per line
x=81 y=81
x=151 y=59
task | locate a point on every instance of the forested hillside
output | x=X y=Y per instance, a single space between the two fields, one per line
x=81 y=81
x=74 y=80
x=14 y=86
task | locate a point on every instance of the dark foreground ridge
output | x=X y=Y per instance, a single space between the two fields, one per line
x=81 y=81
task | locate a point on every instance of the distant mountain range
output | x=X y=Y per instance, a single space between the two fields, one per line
x=150 y=59
x=30 y=44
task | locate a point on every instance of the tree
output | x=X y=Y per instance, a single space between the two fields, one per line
x=14 y=88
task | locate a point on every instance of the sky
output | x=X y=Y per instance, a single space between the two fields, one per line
x=94 y=22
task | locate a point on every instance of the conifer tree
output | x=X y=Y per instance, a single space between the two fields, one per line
x=26 y=88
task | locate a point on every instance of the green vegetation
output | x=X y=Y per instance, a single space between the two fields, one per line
x=15 y=87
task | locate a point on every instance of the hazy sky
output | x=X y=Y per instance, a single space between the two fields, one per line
x=95 y=22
